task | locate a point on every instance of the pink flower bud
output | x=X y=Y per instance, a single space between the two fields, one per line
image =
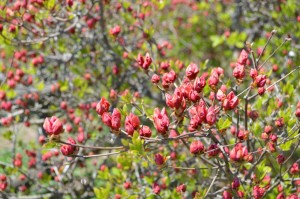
x=147 y=62
x=227 y=195
x=211 y=116
x=236 y=183
x=132 y=122
x=243 y=57
x=279 y=122
x=53 y=126
x=115 y=30
x=239 y=71
x=145 y=131
x=155 y=79
x=294 y=169
x=156 y=188
x=261 y=90
x=253 y=73
x=196 y=147
x=192 y=71
x=181 y=188
x=140 y=60
x=106 y=119
x=280 y=159
x=159 y=159
x=116 y=119
x=102 y=106
x=161 y=121
x=199 y=84
x=68 y=150
x=260 y=80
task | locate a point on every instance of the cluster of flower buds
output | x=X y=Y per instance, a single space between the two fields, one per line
x=3 y=182
x=239 y=153
x=144 y=62
x=258 y=192
x=112 y=120
x=161 y=121
x=32 y=158
x=214 y=77
x=229 y=101
x=200 y=114
x=259 y=81
x=132 y=122
x=270 y=138
x=239 y=70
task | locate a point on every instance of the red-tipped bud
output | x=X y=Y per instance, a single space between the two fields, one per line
x=53 y=126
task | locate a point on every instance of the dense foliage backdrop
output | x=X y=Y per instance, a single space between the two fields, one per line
x=149 y=99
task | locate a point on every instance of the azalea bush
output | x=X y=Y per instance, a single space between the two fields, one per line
x=149 y=99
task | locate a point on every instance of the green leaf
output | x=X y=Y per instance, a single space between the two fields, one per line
x=217 y=40
x=50 y=4
x=49 y=145
x=40 y=86
x=223 y=124
x=124 y=142
x=7 y=135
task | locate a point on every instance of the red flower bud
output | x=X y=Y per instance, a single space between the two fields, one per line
x=161 y=121
x=145 y=131
x=196 y=147
x=106 y=119
x=236 y=183
x=253 y=73
x=261 y=90
x=280 y=196
x=159 y=159
x=127 y=185
x=181 y=188
x=3 y=186
x=279 y=122
x=132 y=122
x=211 y=116
x=116 y=120
x=156 y=188
x=53 y=126
x=102 y=106
x=3 y=178
x=258 y=192
x=213 y=80
x=115 y=30
x=155 y=79
x=231 y=101
x=213 y=150
x=192 y=71
x=260 y=80
x=68 y=150
x=175 y=100
x=199 y=84
x=140 y=60
x=239 y=71
x=243 y=57
x=239 y=153
x=227 y=195
x=280 y=159
x=147 y=62
x=294 y=169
